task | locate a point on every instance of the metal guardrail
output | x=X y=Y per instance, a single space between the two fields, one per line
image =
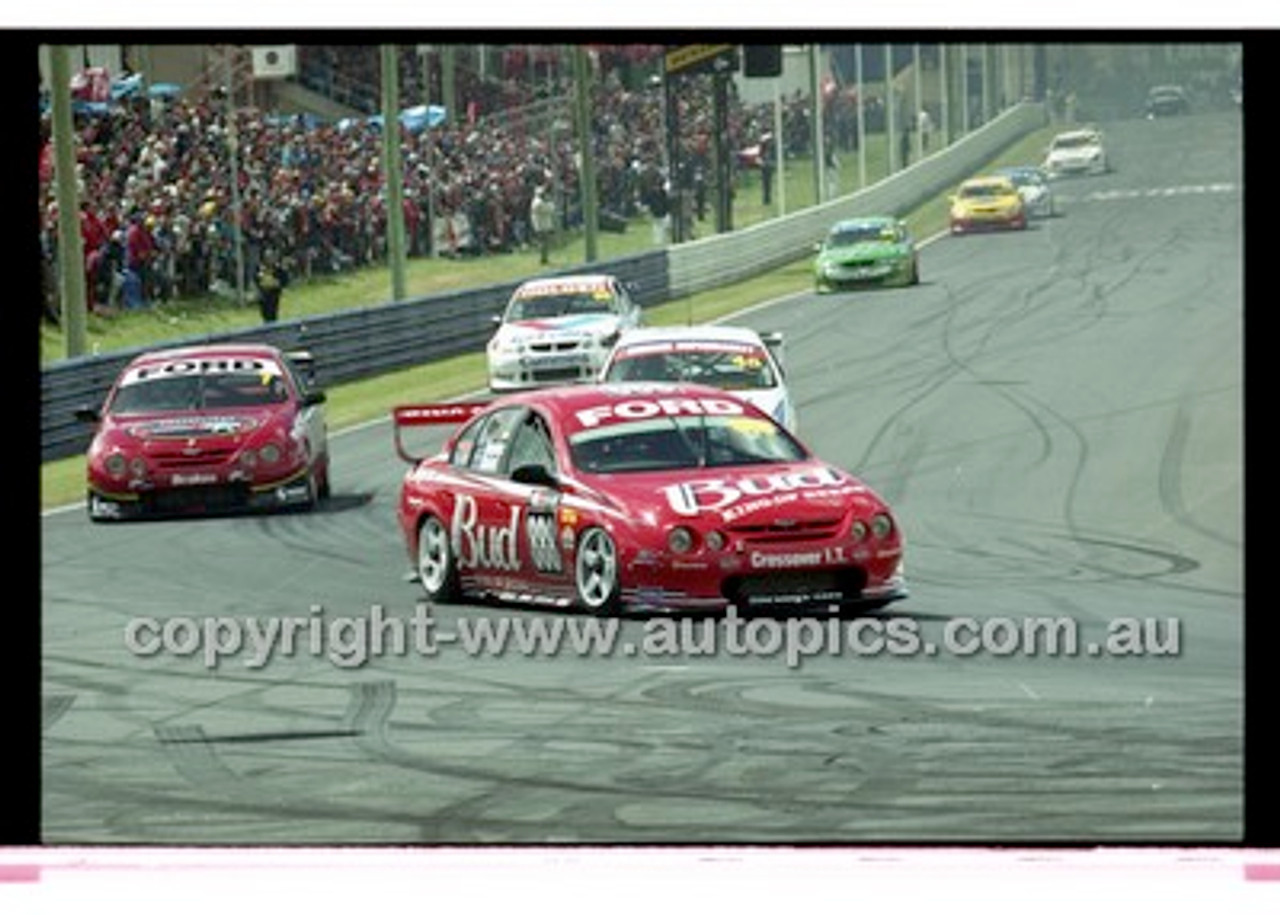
x=724 y=259
x=348 y=346
x=365 y=342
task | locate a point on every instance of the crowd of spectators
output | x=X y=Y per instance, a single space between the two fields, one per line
x=157 y=205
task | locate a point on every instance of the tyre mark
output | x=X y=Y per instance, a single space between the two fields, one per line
x=1170 y=480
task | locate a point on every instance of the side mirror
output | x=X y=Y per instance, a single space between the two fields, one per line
x=774 y=340
x=314 y=398
x=304 y=362
x=534 y=475
x=87 y=415
x=496 y=320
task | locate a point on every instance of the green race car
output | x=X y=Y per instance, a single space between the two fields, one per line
x=868 y=251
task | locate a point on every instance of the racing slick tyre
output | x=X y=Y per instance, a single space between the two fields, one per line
x=325 y=490
x=595 y=571
x=437 y=571
x=312 y=501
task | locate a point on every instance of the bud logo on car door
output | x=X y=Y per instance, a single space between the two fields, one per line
x=482 y=546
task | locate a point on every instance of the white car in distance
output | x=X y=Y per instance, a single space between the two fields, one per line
x=738 y=360
x=1034 y=188
x=558 y=330
x=1077 y=152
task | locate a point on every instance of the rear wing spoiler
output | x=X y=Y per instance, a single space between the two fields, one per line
x=429 y=414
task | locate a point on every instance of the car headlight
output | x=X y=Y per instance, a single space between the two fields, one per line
x=269 y=453
x=881 y=526
x=680 y=540
x=607 y=341
x=115 y=464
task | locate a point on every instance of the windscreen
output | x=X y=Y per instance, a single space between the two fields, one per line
x=854 y=235
x=980 y=191
x=682 y=443
x=727 y=366
x=199 y=391
x=559 y=304
x=1074 y=142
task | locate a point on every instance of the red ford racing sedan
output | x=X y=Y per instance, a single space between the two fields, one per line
x=208 y=428
x=638 y=496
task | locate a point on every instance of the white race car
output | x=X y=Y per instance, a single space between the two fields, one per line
x=558 y=330
x=1033 y=185
x=1077 y=152
x=734 y=359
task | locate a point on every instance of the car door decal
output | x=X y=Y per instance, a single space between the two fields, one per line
x=544 y=550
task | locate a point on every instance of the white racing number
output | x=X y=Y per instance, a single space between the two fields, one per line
x=544 y=551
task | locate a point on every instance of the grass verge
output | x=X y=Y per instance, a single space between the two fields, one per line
x=62 y=481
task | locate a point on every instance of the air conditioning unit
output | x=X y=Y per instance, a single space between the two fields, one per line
x=275 y=61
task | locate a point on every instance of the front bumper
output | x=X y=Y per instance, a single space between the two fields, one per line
x=106 y=504
x=1075 y=167
x=863 y=274
x=712 y=586
x=976 y=222
x=1039 y=207
x=520 y=372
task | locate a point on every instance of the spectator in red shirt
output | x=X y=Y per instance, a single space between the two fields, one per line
x=139 y=250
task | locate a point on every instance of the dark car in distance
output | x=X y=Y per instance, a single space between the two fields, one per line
x=1163 y=101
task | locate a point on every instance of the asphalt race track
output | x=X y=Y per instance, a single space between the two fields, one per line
x=1056 y=416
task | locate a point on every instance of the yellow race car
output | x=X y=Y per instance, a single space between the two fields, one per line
x=987 y=202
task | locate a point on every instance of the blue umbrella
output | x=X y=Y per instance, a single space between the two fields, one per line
x=126 y=86
x=416 y=118
x=413 y=119
x=164 y=90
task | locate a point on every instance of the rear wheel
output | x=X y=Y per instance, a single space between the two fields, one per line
x=595 y=570
x=437 y=571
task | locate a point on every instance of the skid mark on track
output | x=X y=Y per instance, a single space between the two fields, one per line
x=1170 y=480
x=53 y=707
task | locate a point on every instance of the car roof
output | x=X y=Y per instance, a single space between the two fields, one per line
x=855 y=221
x=546 y=283
x=209 y=351
x=1083 y=133
x=565 y=400
x=726 y=332
x=981 y=180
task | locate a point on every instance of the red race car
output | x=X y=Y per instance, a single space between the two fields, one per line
x=221 y=427
x=641 y=496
